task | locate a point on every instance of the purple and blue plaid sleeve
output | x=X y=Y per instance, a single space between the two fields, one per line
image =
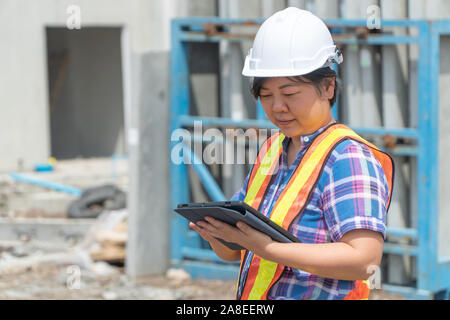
x=356 y=193
x=242 y=192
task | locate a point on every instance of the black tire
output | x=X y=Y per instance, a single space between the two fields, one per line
x=94 y=200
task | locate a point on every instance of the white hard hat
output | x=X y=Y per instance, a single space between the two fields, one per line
x=291 y=42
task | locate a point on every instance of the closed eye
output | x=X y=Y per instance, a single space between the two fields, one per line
x=290 y=94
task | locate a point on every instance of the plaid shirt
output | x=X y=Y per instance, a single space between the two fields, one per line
x=352 y=193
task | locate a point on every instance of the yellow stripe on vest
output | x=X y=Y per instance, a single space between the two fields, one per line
x=264 y=169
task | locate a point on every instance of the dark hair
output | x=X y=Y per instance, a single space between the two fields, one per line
x=318 y=78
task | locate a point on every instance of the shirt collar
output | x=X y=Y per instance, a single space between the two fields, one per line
x=305 y=140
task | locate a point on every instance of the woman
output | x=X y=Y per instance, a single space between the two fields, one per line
x=316 y=178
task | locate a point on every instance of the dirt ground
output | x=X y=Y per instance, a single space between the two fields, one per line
x=52 y=281
x=59 y=282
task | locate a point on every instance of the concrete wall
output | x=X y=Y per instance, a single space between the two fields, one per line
x=24 y=124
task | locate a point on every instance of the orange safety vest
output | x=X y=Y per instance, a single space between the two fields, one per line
x=263 y=274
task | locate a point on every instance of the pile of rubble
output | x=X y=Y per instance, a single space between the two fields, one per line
x=93 y=268
x=32 y=270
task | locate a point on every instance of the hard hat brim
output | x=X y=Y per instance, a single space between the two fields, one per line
x=326 y=58
x=268 y=73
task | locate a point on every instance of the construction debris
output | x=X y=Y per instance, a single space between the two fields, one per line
x=178 y=276
x=12 y=266
x=95 y=200
x=111 y=244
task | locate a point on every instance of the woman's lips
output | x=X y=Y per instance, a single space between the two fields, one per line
x=285 y=122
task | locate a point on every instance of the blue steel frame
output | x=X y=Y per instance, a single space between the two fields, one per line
x=433 y=274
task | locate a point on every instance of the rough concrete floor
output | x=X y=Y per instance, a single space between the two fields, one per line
x=57 y=282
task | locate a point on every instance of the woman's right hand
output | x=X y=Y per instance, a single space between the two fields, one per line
x=219 y=248
x=203 y=233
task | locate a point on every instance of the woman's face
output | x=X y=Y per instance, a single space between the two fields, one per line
x=296 y=108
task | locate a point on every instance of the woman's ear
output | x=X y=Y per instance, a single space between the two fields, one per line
x=329 y=85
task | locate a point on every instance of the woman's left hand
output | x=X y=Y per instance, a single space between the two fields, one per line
x=242 y=234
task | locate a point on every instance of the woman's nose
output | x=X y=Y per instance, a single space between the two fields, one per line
x=279 y=105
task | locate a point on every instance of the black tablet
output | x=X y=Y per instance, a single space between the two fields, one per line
x=231 y=212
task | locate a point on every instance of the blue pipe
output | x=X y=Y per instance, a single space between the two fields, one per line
x=46 y=184
x=202 y=171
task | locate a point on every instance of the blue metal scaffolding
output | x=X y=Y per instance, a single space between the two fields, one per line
x=433 y=272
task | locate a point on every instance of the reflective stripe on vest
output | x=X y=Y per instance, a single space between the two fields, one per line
x=360 y=292
x=262 y=274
